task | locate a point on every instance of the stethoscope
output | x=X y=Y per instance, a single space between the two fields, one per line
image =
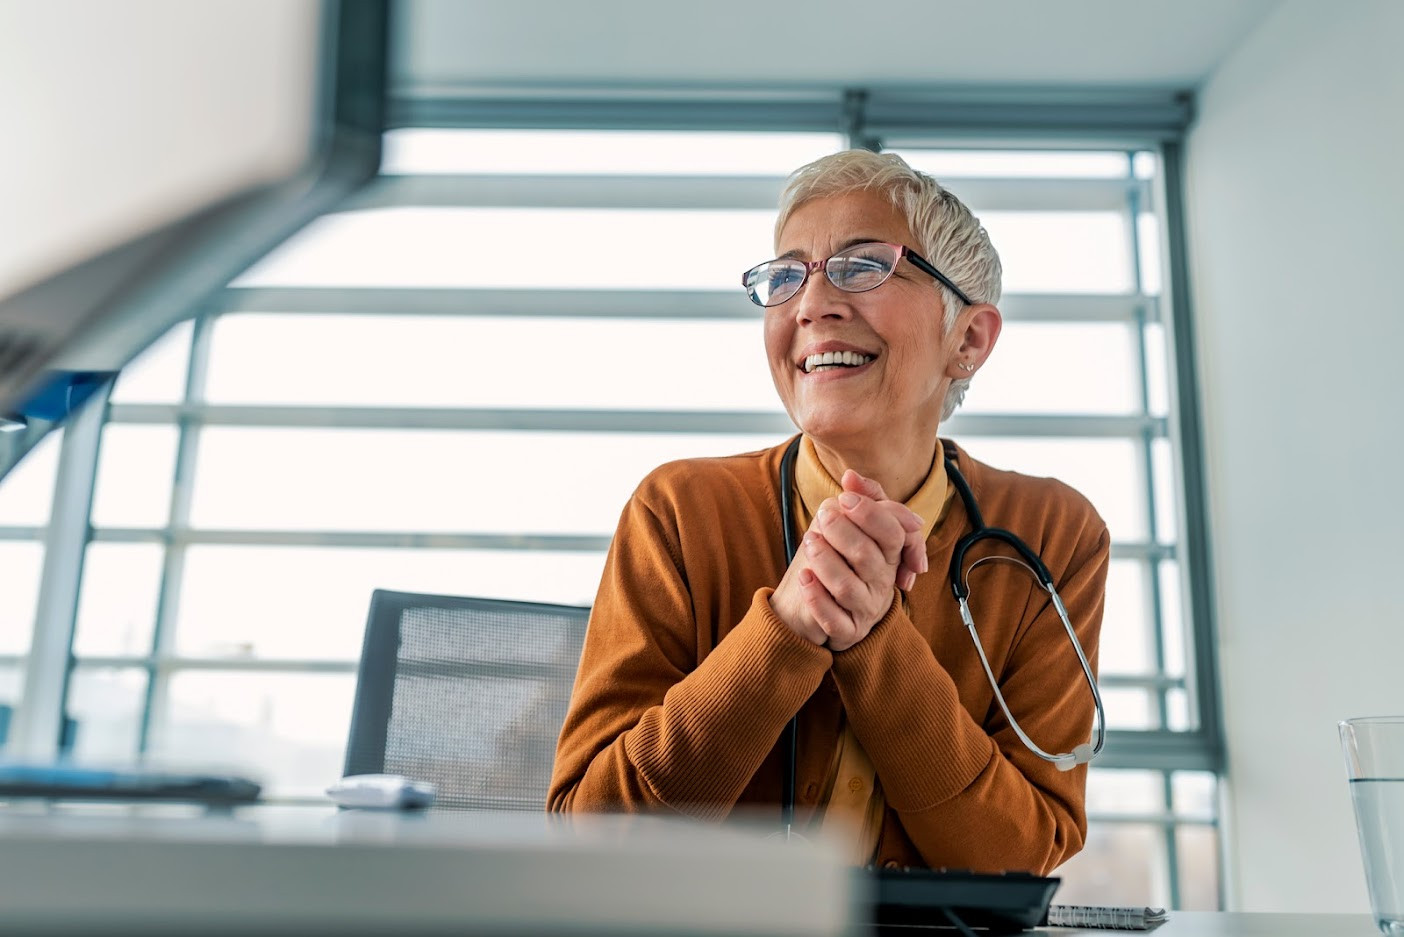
x=1081 y=754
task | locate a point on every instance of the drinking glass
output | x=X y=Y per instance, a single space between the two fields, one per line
x=1374 y=754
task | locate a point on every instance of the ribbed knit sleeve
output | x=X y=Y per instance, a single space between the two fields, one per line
x=650 y=726
x=970 y=795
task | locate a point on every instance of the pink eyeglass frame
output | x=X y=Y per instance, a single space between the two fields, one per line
x=918 y=261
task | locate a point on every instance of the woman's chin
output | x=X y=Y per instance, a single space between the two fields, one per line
x=836 y=427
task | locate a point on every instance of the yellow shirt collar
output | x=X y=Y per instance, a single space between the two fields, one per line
x=814 y=484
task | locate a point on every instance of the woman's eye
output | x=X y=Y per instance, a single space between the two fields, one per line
x=779 y=276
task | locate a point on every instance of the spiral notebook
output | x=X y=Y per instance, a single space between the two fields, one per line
x=1070 y=915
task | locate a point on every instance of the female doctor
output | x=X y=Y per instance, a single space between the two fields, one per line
x=841 y=691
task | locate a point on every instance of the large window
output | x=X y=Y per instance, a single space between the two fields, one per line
x=454 y=384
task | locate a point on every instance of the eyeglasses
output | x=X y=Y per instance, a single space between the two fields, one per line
x=855 y=269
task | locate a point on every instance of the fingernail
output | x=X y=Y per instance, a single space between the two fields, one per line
x=848 y=499
x=822 y=517
x=908 y=580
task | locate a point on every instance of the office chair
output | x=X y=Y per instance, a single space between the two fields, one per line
x=466 y=693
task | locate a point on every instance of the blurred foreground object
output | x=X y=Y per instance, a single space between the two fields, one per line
x=166 y=147
x=380 y=873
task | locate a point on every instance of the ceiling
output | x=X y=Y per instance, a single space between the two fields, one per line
x=453 y=45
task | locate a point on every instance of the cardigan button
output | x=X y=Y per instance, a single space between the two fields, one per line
x=891 y=864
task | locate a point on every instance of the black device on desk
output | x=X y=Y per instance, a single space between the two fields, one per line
x=72 y=782
x=913 y=900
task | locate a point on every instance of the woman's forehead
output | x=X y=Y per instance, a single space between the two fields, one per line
x=820 y=225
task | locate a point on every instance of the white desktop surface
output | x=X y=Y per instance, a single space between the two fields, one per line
x=157 y=870
x=145 y=871
x=1238 y=924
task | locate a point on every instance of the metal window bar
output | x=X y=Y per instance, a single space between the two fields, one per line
x=603 y=421
x=663 y=193
x=39 y=730
x=1134 y=200
x=625 y=304
x=173 y=556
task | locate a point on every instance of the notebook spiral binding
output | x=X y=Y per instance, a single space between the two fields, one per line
x=1062 y=915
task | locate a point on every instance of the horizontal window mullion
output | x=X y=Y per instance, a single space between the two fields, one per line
x=897 y=115
x=628 y=304
x=805 y=110
x=662 y=192
x=440 y=541
x=264 y=665
x=434 y=418
x=1141 y=550
x=1055 y=425
x=409 y=540
x=1126 y=681
x=548 y=303
x=1078 y=117
x=606 y=421
x=22 y=533
x=1159 y=819
x=1160 y=749
x=1078 y=307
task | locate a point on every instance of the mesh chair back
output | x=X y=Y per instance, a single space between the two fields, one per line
x=466 y=693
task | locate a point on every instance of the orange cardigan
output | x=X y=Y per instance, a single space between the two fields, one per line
x=688 y=677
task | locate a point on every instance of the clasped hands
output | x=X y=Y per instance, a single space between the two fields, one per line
x=858 y=547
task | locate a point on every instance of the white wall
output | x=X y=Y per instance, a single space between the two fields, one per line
x=1296 y=228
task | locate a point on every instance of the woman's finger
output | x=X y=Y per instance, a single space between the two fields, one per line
x=914 y=558
x=788 y=603
x=862 y=485
x=864 y=600
x=891 y=525
x=868 y=556
x=834 y=571
x=853 y=483
x=834 y=619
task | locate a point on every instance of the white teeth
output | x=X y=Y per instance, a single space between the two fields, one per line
x=848 y=359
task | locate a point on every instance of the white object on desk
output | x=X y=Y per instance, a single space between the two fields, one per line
x=353 y=873
x=381 y=791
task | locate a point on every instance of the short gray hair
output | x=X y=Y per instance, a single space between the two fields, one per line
x=947 y=233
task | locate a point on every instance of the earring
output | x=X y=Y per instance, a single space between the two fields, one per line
x=965 y=367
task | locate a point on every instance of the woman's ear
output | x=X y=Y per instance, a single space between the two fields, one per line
x=977 y=329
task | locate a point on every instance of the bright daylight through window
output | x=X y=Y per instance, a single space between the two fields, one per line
x=374 y=405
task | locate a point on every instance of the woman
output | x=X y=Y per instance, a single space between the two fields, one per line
x=704 y=642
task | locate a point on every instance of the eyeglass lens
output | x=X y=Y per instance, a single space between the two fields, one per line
x=855 y=269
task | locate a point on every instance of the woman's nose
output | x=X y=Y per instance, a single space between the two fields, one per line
x=819 y=299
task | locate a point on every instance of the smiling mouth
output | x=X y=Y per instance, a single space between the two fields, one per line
x=833 y=360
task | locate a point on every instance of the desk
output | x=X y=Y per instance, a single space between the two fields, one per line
x=359 y=873
x=1229 y=924
x=271 y=871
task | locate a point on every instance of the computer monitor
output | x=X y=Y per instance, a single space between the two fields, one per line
x=157 y=149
